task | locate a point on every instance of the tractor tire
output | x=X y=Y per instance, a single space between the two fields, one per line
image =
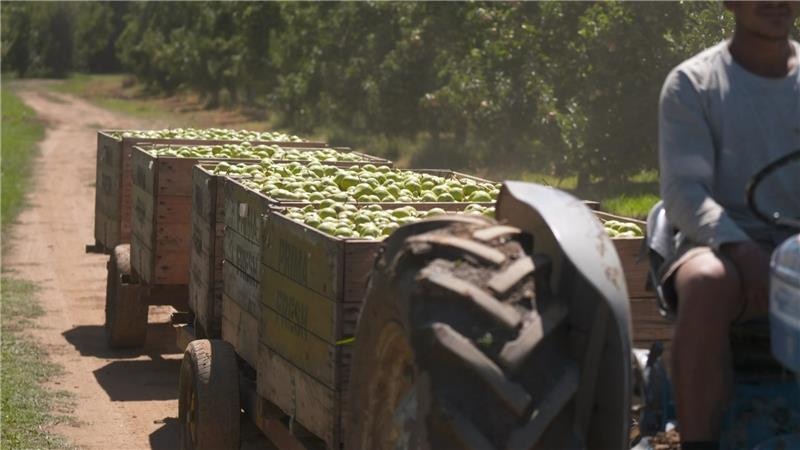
x=209 y=412
x=461 y=345
x=126 y=313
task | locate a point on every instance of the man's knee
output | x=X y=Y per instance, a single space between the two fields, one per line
x=708 y=283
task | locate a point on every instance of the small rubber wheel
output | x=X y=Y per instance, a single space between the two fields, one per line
x=461 y=345
x=208 y=403
x=126 y=313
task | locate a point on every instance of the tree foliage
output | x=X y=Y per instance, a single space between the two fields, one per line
x=560 y=87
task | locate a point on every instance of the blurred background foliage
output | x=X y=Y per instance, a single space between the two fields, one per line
x=567 y=89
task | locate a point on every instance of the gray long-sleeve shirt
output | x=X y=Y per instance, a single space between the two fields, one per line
x=718 y=125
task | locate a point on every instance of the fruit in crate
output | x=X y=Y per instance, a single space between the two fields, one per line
x=246 y=150
x=220 y=134
x=358 y=184
x=619 y=229
x=346 y=220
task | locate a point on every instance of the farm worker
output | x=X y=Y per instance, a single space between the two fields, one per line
x=724 y=114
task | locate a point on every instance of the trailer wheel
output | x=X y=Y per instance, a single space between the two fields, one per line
x=126 y=313
x=460 y=345
x=208 y=406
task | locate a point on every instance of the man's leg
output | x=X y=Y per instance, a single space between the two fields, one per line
x=710 y=298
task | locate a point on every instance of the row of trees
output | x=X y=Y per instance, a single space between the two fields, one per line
x=560 y=87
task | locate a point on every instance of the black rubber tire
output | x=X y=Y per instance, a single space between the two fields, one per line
x=126 y=312
x=466 y=392
x=209 y=412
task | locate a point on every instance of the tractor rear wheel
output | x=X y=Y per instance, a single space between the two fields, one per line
x=209 y=412
x=126 y=313
x=461 y=345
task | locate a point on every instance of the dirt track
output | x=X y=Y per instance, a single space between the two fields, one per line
x=124 y=400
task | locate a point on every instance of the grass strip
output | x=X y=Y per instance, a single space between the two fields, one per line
x=27 y=407
x=21 y=130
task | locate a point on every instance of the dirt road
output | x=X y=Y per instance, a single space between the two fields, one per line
x=124 y=399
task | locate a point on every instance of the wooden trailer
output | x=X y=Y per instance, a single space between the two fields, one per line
x=142 y=219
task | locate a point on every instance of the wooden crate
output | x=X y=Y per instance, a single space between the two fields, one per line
x=241 y=250
x=313 y=286
x=161 y=217
x=113 y=182
x=317 y=407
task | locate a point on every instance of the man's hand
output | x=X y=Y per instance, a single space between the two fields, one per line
x=752 y=261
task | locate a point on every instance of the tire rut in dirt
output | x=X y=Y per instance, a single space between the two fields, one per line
x=488 y=338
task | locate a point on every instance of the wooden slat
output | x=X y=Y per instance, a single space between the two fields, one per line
x=301 y=348
x=205 y=299
x=242 y=253
x=635 y=271
x=173 y=209
x=171 y=267
x=244 y=210
x=143 y=225
x=106 y=230
x=310 y=402
x=241 y=288
x=310 y=258
x=359 y=261
x=204 y=194
x=240 y=328
x=142 y=261
x=300 y=305
x=175 y=176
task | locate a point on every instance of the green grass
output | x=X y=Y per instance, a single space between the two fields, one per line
x=636 y=206
x=102 y=91
x=21 y=130
x=27 y=407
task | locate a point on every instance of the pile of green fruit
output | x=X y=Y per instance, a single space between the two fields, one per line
x=364 y=184
x=246 y=150
x=346 y=220
x=618 y=229
x=220 y=134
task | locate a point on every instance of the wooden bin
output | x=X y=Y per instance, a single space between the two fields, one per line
x=243 y=212
x=161 y=217
x=112 y=225
x=313 y=286
x=206 y=261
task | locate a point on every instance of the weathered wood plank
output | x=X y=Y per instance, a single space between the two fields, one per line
x=314 y=405
x=143 y=223
x=171 y=267
x=306 y=256
x=240 y=328
x=635 y=270
x=244 y=209
x=175 y=175
x=301 y=348
x=241 y=288
x=142 y=260
x=242 y=253
x=300 y=305
x=359 y=261
x=173 y=209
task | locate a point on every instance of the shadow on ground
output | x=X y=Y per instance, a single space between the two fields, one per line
x=140 y=379
x=90 y=340
x=167 y=437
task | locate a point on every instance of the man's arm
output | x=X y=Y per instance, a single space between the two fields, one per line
x=687 y=160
